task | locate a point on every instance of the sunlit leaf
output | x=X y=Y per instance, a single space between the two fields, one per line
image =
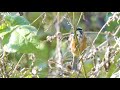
x=23 y=39
x=16 y=20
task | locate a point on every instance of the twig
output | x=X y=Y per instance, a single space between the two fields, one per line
x=85 y=74
x=58 y=38
x=37 y=18
x=117 y=31
x=58 y=54
x=99 y=33
x=104 y=62
x=63 y=17
x=79 y=18
x=110 y=19
x=73 y=21
x=52 y=23
x=69 y=19
x=3 y=59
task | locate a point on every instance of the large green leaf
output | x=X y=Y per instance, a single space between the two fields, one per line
x=16 y=20
x=5 y=30
x=10 y=22
x=22 y=39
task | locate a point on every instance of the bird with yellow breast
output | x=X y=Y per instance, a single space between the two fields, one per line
x=78 y=44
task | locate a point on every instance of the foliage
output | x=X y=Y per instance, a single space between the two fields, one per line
x=36 y=45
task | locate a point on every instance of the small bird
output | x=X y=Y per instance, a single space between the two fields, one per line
x=77 y=45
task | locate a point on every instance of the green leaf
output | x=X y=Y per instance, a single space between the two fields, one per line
x=11 y=22
x=7 y=30
x=4 y=31
x=16 y=20
x=22 y=39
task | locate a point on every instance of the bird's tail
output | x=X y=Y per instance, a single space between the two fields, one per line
x=75 y=63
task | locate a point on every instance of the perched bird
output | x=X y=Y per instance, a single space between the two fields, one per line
x=77 y=45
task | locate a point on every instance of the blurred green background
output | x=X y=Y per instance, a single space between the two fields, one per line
x=90 y=22
x=44 y=23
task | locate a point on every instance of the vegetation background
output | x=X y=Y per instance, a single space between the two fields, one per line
x=31 y=48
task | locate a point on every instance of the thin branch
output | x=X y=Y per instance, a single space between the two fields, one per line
x=74 y=22
x=63 y=17
x=99 y=33
x=69 y=19
x=110 y=19
x=85 y=74
x=37 y=18
x=79 y=18
x=117 y=31
x=52 y=23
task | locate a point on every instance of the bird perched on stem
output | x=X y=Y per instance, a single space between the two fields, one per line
x=78 y=43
